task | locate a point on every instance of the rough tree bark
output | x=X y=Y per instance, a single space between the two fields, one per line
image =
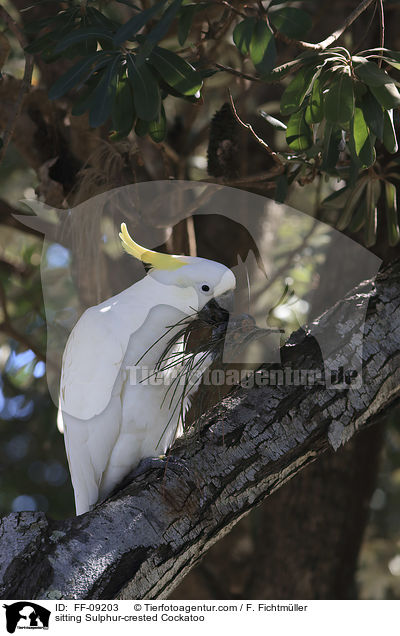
x=315 y=523
x=141 y=542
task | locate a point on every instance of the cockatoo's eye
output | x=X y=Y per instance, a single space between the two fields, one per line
x=206 y=288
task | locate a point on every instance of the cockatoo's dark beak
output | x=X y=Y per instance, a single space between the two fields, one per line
x=225 y=301
x=217 y=309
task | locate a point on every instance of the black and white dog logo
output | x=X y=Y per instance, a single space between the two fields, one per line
x=26 y=615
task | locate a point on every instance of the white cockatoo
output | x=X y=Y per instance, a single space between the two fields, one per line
x=111 y=419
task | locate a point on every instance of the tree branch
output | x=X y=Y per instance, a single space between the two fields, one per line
x=25 y=82
x=142 y=541
x=250 y=128
x=320 y=46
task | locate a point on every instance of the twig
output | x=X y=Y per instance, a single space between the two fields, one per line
x=381 y=29
x=249 y=179
x=25 y=82
x=227 y=4
x=261 y=7
x=233 y=71
x=13 y=26
x=249 y=127
x=320 y=46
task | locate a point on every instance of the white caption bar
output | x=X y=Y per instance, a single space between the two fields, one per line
x=149 y=617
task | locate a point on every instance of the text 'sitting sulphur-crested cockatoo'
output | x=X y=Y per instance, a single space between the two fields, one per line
x=111 y=422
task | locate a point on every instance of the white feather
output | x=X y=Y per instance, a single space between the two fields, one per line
x=111 y=423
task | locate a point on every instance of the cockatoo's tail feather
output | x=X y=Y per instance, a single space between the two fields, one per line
x=154 y=259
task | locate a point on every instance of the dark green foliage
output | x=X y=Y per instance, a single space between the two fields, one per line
x=296 y=91
x=333 y=139
x=298 y=133
x=104 y=94
x=339 y=100
x=337 y=106
x=186 y=17
x=176 y=72
x=106 y=65
x=254 y=37
x=146 y=93
x=123 y=113
x=128 y=30
x=293 y=22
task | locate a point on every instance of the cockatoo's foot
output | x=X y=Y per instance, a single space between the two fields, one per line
x=163 y=462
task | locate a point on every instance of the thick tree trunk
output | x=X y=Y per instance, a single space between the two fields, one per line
x=303 y=542
x=146 y=538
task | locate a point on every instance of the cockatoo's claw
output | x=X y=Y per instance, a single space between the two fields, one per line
x=177 y=464
x=164 y=462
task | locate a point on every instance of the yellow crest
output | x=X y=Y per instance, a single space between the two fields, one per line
x=154 y=259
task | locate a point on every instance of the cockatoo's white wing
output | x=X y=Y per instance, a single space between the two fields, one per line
x=90 y=394
x=92 y=361
x=89 y=444
x=87 y=380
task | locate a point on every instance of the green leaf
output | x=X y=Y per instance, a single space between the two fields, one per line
x=387 y=95
x=282 y=187
x=337 y=198
x=175 y=71
x=294 y=94
x=141 y=127
x=281 y=71
x=292 y=22
x=392 y=217
x=363 y=141
x=104 y=94
x=353 y=200
x=123 y=111
x=395 y=55
x=339 y=100
x=315 y=106
x=82 y=69
x=358 y=219
x=333 y=140
x=298 y=133
x=242 y=34
x=371 y=74
x=276 y=123
x=372 y=196
x=130 y=28
x=360 y=89
x=185 y=22
x=158 y=128
x=160 y=30
x=146 y=92
x=83 y=35
x=262 y=47
x=391 y=57
x=373 y=114
x=84 y=102
x=96 y=17
x=389 y=133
